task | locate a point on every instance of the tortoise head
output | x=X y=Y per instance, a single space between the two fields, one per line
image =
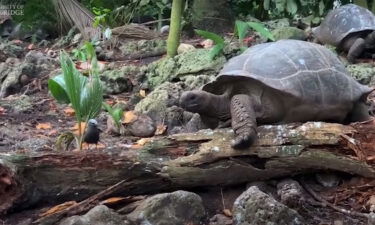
x=195 y=101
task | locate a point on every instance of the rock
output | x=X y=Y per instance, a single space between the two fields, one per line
x=220 y=219
x=264 y=187
x=278 y=23
x=290 y=193
x=176 y=208
x=364 y=73
x=99 y=215
x=120 y=80
x=143 y=46
x=77 y=38
x=66 y=40
x=13 y=74
x=182 y=48
x=164 y=29
x=156 y=103
x=174 y=117
x=143 y=126
x=17 y=104
x=254 y=207
x=289 y=33
x=11 y=50
x=192 y=82
x=197 y=62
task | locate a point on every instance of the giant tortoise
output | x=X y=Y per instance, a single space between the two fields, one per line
x=351 y=28
x=279 y=82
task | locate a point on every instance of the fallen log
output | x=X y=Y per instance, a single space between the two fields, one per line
x=185 y=160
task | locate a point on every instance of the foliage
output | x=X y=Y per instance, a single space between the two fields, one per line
x=115 y=113
x=271 y=9
x=86 y=52
x=84 y=94
x=35 y=14
x=241 y=30
x=218 y=41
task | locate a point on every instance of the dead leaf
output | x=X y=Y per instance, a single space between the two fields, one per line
x=371 y=201
x=30 y=47
x=17 y=41
x=160 y=129
x=52 y=132
x=113 y=200
x=85 y=66
x=69 y=111
x=143 y=141
x=2 y=111
x=86 y=146
x=58 y=208
x=129 y=117
x=43 y=126
x=142 y=93
x=227 y=212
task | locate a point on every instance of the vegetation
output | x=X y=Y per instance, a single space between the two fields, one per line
x=85 y=94
x=241 y=30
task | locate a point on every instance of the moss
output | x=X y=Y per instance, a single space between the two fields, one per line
x=189 y=63
x=143 y=46
x=289 y=33
x=119 y=80
x=363 y=73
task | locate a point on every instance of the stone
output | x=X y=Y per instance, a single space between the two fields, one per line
x=220 y=219
x=197 y=62
x=143 y=126
x=182 y=48
x=176 y=208
x=289 y=33
x=99 y=215
x=156 y=103
x=290 y=193
x=278 y=23
x=119 y=80
x=254 y=207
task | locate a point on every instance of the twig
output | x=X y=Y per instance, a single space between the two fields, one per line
x=325 y=202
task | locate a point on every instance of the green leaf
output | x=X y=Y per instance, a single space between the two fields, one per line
x=321 y=7
x=209 y=35
x=216 y=50
x=241 y=30
x=56 y=86
x=118 y=113
x=291 y=7
x=92 y=94
x=266 y=4
x=262 y=30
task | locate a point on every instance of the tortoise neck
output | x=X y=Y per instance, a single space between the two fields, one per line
x=218 y=106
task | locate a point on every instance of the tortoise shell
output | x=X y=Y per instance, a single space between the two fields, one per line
x=341 y=22
x=305 y=70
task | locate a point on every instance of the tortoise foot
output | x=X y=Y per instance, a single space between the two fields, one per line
x=243 y=141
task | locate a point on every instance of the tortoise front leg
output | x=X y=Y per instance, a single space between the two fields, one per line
x=243 y=121
x=370 y=40
x=356 y=49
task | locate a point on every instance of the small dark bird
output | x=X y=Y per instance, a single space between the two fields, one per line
x=92 y=133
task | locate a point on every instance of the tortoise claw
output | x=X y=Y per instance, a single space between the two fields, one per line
x=243 y=141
